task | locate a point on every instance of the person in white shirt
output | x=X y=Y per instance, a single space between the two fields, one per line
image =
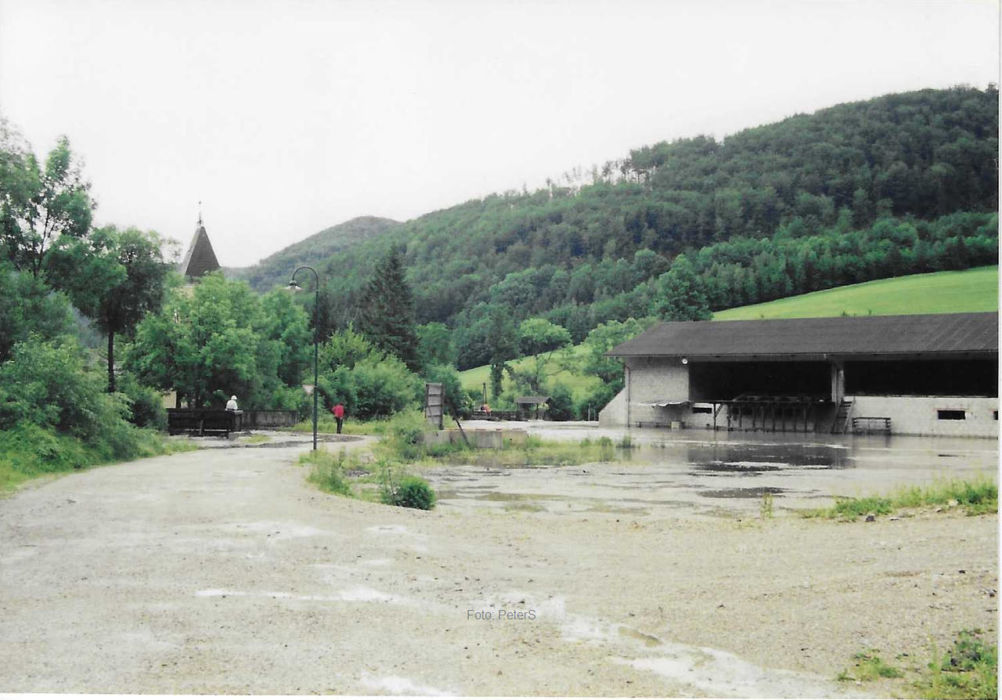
x=231 y=405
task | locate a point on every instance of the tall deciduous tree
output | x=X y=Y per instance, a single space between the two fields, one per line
x=38 y=204
x=502 y=339
x=114 y=277
x=679 y=295
x=210 y=344
x=387 y=310
x=537 y=336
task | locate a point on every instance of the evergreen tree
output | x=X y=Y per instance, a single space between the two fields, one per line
x=386 y=314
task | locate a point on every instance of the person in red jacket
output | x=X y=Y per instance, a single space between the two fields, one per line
x=338 y=412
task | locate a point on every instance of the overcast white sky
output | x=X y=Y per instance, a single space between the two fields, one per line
x=285 y=117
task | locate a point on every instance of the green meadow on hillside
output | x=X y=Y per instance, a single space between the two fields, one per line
x=932 y=293
x=561 y=366
x=936 y=292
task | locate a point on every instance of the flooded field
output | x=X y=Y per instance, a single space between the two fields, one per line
x=705 y=474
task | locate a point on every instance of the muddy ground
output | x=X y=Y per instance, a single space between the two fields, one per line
x=222 y=571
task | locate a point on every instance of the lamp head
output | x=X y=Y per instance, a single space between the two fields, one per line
x=294 y=286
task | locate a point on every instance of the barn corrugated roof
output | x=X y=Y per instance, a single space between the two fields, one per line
x=200 y=258
x=859 y=335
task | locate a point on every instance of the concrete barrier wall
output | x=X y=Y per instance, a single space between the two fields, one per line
x=481 y=438
x=270 y=419
x=920 y=415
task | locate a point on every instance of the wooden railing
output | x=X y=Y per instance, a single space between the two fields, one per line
x=203 y=421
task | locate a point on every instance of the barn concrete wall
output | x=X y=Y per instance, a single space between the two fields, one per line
x=655 y=379
x=918 y=415
x=614 y=413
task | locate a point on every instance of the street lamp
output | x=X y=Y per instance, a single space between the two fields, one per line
x=294 y=287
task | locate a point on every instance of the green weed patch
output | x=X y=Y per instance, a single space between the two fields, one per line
x=973 y=497
x=967 y=670
x=328 y=470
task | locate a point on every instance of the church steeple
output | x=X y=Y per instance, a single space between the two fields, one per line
x=200 y=258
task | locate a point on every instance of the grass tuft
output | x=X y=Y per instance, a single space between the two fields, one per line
x=328 y=470
x=765 y=507
x=975 y=497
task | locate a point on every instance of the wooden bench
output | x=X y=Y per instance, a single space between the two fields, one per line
x=871 y=424
x=203 y=421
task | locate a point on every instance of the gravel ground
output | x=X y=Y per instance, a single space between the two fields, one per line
x=222 y=571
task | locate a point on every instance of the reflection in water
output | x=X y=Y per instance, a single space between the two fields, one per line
x=756 y=458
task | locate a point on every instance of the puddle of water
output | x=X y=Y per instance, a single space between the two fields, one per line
x=679 y=472
x=366 y=595
x=720 y=674
x=396 y=685
x=740 y=467
x=712 y=671
x=358 y=594
x=755 y=492
x=647 y=639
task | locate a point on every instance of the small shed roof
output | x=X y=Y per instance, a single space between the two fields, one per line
x=922 y=334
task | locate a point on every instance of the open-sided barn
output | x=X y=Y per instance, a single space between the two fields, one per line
x=917 y=375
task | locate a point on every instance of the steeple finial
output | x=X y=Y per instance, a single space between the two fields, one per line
x=200 y=212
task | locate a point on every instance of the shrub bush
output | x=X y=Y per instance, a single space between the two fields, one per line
x=561 y=403
x=55 y=414
x=147 y=406
x=405 y=435
x=375 y=386
x=594 y=402
x=409 y=492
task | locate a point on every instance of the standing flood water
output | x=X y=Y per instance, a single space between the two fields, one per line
x=700 y=473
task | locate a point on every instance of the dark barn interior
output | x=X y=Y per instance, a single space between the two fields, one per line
x=722 y=381
x=961 y=377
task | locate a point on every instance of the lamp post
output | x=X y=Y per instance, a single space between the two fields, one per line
x=294 y=287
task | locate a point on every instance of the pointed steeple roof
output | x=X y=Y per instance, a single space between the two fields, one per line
x=200 y=258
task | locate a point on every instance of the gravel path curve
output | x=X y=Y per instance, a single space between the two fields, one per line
x=222 y=571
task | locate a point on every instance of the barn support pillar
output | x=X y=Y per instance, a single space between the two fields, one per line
x=838 y=380
x=628 y=392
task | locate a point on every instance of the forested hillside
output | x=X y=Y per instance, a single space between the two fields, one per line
x=315 y=250
x=900 y=184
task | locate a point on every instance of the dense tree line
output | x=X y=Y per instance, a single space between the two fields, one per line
x=811 y=186
x=60 y=278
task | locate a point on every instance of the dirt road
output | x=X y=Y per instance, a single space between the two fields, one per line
x=222 y=571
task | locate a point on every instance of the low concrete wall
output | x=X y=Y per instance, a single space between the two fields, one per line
x=269 y=419
x=920 y=415
x=483 y=439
